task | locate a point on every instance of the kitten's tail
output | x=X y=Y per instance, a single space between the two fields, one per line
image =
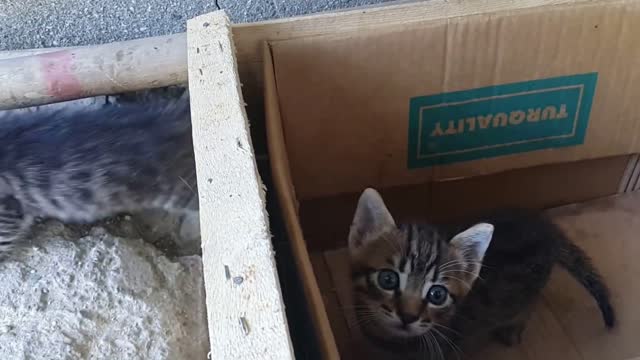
x=579 y=265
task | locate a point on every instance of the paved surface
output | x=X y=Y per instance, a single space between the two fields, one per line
x=46 y=23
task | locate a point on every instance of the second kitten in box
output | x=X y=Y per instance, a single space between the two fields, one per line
x=427 y=289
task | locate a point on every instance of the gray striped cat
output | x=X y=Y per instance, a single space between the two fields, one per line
x=85 y=164
x=428 y=290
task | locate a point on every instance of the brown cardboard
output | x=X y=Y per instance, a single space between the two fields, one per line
x=287 y=199
x=537 y=188
x=249 y=37
x=344 y=98
x=337 y=108
x=608 y=229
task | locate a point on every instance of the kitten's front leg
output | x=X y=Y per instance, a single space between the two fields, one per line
x=510 y=334
x=13 y=222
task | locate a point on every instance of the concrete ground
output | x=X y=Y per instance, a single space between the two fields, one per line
x=50 y=23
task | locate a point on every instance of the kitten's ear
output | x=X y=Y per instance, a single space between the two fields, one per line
x=371 y=220
x=472 y=244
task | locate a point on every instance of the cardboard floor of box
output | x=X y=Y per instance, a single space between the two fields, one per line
x=566 y=324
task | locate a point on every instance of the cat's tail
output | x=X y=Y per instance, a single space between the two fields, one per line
x=579 y=265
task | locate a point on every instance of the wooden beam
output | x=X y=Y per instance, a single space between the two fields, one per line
x=244 y=304
x=92 y=71
x=161 y=61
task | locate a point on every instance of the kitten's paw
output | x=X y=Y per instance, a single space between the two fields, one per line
x=13 y=223
x=509 y=335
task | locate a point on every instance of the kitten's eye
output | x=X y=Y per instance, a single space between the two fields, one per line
x=388 y=279
x=437 y=295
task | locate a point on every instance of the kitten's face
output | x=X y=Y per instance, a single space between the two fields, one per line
x=408 y=279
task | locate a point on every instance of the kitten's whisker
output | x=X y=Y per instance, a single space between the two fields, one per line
x=187 y=184
x=454 y=347
x=437 y=345
x=363 y=316
x=447 y=328
x=355 y=307
x=428 y=341
x=450 y=262
x=421 y=345
x=366 y=313
x=462 y=271
x=362 y=310
x=356 y=319
x=360 y=322
x=459 y=262
x=460 y=280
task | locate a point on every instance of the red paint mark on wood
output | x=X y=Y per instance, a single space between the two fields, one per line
x=61 y=82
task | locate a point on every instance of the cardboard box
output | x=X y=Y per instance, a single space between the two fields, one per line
x=526 y=104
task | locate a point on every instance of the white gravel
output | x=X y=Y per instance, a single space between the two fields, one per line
x=100 y=297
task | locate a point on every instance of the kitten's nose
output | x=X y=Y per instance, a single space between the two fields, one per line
x=408 y=318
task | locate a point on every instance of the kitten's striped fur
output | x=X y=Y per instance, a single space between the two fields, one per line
x=493 y=270
x=85 y=164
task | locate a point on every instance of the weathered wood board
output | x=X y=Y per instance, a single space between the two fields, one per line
x=245 y=308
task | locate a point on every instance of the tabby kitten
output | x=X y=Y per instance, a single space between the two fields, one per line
x=85 y=164
x=424 y=287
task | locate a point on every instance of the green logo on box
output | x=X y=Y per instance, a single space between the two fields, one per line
x=499 y=120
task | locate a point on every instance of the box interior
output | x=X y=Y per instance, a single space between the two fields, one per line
x=336 y=109
x=566 y=323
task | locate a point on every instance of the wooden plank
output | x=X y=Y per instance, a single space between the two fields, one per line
x=94 y=70
x=245 y=309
